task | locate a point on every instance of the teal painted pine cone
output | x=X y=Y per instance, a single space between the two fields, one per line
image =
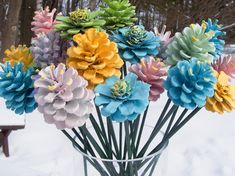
x=16 y=87
x=190 y=83
x=135 y=43
x=217 y=38
x=78 y=21
x=192 y=42
x=118 y=14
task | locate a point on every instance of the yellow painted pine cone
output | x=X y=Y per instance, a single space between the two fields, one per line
x=20 y=54
x=95 y=57
x=224 y=97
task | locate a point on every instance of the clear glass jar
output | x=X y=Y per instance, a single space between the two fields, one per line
x=152 y=165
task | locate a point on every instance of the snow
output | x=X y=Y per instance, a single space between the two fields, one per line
x=205 y=146
x=9 y=118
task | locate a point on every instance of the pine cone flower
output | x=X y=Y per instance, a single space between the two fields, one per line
x=43 y=21
x=219 y=43
x=77 y=22
x=192 y=42
x=152 y=73
x=118 y=14
x=123 y=99
x=224 y=97
x=62 y=97
x=165 y=40
x=16 y=87
x=189 y=83
x=19 y=54
x=225 y=63
x=96 y=57
x=135 y=43
x=46 y=49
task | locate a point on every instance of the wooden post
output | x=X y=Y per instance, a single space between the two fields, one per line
x=6 y=130
x=5 y=145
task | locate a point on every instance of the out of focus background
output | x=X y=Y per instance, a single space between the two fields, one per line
x=16 y=15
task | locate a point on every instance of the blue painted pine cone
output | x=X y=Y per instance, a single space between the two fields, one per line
x=189 y=83
x=16 y=87
x=135 y=43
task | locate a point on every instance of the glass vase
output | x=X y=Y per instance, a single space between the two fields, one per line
x=148 y=165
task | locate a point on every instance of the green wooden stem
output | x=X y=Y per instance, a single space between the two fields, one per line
x=175 y=130
x=87 y=144
x=127 y=132
x=124 y=69
x=99 y=133
x=109 y=139
x=113 y=136
x=101 y=124
x=180 y=118
x=156 y=130
x=171 y=122
x=72 y=140
x=141 y=130
x=120 y=141
x=93 y=142
x=134 y=135
x=163 y=112
x=184 y=122
x=109 y=166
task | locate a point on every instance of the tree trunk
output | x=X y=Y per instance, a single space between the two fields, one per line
x=10 y=23
x=92 y=5
x=26 y=17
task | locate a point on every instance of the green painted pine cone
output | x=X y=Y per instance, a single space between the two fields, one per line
x=118 y=14
x=192 y=42
x=78 y=21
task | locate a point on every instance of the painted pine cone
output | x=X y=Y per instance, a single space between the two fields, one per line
x=43 y=21
x=78 y=22
x=165 y=40
x=118 y=14
x=16 y=87
x=189 y=83
x=46 y=49
x=216 y=39
x=225 y=63
x=224 y=97
x=122 y=99
x=151 y=72
x=62 y=97
x=20 y=54
x=192 y=42
x=135 y=42
x=95 y=57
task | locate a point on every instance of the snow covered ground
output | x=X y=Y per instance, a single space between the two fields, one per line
x=204 y=147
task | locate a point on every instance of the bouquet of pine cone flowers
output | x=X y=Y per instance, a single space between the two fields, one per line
x=93 y=74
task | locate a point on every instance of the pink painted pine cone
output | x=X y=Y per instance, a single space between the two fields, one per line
x=225 y=63
x=43 y=21
x=151 y=72
x=62 y=97
x=165 y=36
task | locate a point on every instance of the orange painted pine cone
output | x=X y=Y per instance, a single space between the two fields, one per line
x=95 y=58
x=224 y=97
x=20 y=54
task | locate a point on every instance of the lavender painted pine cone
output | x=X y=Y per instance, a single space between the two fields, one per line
x=62 y=97
x=46 y=49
